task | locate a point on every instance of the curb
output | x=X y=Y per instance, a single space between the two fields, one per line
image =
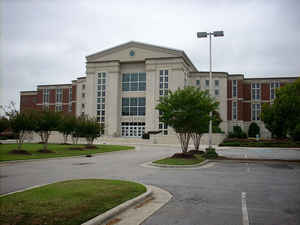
x=179 y=166
x=12 y=162
x=118 y=209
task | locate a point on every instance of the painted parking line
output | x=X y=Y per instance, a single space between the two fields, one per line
x=244 y=209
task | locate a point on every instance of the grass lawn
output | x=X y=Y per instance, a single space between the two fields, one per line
x=59 y=151
x=179 y=161
x=66 y=203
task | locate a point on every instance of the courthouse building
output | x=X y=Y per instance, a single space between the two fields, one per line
x=123 y=85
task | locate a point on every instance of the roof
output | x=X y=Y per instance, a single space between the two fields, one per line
x=173 y=51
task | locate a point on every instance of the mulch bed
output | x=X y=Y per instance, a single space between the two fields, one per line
x=183 y=156
x=20 y=152
x=90 y=147
x=45 y=151
x=196 y=152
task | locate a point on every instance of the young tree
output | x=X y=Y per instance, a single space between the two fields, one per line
x=45 y=123
x=187 y=111
x=66 y=126
x=91 y=130
x=20 y=123
x=283 y=116
x=4 y=124
x=77 y=132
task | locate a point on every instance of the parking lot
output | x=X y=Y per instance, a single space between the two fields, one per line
x=218 y=193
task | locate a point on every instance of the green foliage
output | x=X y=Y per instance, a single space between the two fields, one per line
x=20 y=122
x=283 y=116
x=90 y=129
x=237 y=133
x=66 y=125
x=187 y=111
x=210 y=153
x=44 y=123
x=4 y=123
x=295 y=132
x=253 y=130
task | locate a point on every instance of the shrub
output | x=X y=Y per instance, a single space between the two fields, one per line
x=295 y=133
x=237 y=133
x=253 y=130
x=210 y=153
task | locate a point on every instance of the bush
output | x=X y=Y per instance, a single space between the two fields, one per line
x=210 y=153
x=295 y=133
x=237 y=133
x=253 y=130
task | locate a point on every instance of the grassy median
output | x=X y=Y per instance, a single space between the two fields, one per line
x=181 y=161
x=68 y=203
x=58 y=150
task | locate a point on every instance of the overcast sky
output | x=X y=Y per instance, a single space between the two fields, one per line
x=46 y=41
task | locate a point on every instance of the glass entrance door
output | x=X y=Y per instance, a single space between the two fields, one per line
x=132 y=129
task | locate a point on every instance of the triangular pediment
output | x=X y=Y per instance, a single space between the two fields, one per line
x=134 y=51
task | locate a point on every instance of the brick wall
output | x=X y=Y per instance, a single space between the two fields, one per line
x=229 y=89
x=28 y=102
x=247 y=91
x=229 y=109
x=246 y=111
x=265 y=92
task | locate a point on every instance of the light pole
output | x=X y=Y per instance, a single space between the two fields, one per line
x=204 y=35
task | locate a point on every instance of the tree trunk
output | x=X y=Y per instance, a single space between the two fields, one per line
x=196 y=139
x=184 y=139
x=65 y=138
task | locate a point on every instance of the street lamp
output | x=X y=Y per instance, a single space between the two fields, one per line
x=204 y=35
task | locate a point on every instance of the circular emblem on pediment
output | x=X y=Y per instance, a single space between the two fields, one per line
x=131 y=53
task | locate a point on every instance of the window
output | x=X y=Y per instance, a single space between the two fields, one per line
x=82 y=106
x=83 y=95
x=134 y=81
x=234 y=88
x=273 y=86
x=83 y=86
x=164 y=128
x=100 y=100
x=217 y=83
x=70 y=94
x=217 y=92
x=256 y=111
x=197 y=82
x=46 y=95
x=133 y=106
x=58 y=108
x=255 y=91
x=70 y=107
x=163 y=82
x=207 y=83
x=59 y=95
x=234 y=110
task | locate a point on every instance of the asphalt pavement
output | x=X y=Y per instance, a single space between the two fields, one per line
x=218 y=193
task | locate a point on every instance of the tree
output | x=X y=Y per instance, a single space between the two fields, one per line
x=77 y=129
x=187 y=111
x=4 y=124
x=283 y=116
x=20 y=122
x=91 y=129
x=45 y=123
x=253 y=130
x=66 y=126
